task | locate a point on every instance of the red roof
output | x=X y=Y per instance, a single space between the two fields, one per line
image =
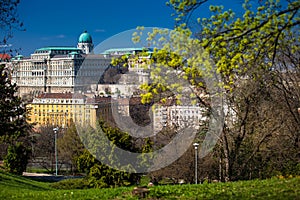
x=60 y=96
x=4 y=56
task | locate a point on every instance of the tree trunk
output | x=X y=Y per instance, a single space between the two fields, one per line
x=226 y=158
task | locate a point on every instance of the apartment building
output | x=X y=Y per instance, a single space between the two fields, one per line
x=62 y=109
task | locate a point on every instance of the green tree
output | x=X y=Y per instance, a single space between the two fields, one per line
x=247 y=56
x=98 y=173
x=13 y=119
x=14 y=128
x=246 y=52
x=13 y=123
x=17 y=158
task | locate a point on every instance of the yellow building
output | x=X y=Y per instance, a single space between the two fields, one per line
x=61 y=109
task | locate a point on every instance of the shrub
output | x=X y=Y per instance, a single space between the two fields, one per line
x=16 y=159
x=68 y=184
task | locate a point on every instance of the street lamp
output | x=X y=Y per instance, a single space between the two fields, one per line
x=55 y=146
x=196 y=161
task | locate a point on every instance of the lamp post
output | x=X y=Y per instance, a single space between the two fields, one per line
x=55 y=147
x=196 y=161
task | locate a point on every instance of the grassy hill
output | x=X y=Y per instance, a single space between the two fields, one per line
x=15 y=187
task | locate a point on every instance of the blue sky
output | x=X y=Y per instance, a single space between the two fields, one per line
x=60 y=22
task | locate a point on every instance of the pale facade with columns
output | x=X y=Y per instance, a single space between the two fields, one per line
x=56 y=69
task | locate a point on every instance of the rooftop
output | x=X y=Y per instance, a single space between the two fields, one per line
x=85 y=37
x=56 y=48
x=4 y=57
x=60 y=96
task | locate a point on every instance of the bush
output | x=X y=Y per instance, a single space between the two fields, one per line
x=68 y=184
x=17 y=158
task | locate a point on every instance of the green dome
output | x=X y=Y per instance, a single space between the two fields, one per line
x=85 y=37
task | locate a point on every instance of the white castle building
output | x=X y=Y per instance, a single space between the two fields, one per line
x=58 y=69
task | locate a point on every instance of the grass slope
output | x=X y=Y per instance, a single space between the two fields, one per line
x=256 y=189
x=15 y=187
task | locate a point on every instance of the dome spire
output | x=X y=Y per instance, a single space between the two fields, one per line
x=85 y=37
x=85 y=42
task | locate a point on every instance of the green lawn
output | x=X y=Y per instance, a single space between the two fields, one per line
x=15 y=187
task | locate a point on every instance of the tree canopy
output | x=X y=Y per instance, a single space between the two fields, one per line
x=255 y=59
x=13 y=123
